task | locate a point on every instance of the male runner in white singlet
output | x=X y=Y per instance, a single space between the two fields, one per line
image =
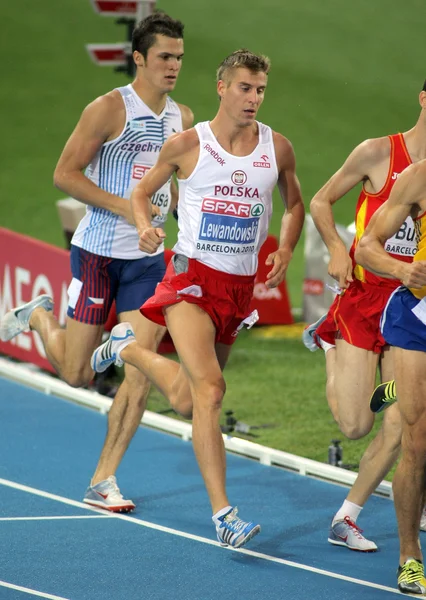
x=117 y=140
x=227 y=170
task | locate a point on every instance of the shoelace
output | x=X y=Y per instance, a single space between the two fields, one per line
x=357 y=531
x=234 y=522
x=413 y=571
x=113 y=481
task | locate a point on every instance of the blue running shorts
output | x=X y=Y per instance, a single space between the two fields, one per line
x=98 y=281
x=401 y=326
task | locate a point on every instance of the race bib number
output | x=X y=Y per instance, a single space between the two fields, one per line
x=404 y=241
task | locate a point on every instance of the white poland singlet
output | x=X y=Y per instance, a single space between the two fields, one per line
x=225 y=205
x=117 y=168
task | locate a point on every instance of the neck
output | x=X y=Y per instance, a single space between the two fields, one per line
x=415 y=140
x=227 y=129
x=154 y=99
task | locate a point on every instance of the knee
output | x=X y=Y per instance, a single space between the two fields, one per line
x=355 y=430
x=414 y=446
x=210 y=395
x=78 y=378
x=183 y=405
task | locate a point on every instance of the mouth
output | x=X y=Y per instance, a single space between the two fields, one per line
x=249 y=112
x=171 y=78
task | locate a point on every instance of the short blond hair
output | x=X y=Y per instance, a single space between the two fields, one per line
x=246 y=59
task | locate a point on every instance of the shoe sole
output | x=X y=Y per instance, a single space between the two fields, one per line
x=119 y=509
x=345 y=545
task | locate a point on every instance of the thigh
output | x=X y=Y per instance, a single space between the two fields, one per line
x=355 y=377
x=81 y=339
x=193 y=334
x=410 y=368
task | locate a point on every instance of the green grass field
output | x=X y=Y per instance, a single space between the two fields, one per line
x=341 y=72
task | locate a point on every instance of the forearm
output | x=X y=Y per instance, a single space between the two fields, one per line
x=141 y=208
x=371 y=255
x=80 y=187
x=323 y=218
x=291 y=227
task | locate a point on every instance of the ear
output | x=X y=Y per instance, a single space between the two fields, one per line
x=422 y=99
x=139 y=59
x=221 y=85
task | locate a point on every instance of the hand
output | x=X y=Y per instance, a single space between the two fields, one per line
x=340 y=267
x=415 y=274
x=280 y=259
x=150 y=239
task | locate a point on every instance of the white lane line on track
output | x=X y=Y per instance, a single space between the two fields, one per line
x=107 y=516
x=197 y=538
x=19 y=588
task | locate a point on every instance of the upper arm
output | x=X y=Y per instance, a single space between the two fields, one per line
x=187 y=116
x=354 y=170
x=407 y=193
x=288 y=183
x=92 y=130
x=168 y=162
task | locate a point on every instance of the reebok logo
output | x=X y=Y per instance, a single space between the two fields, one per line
x=214 y=154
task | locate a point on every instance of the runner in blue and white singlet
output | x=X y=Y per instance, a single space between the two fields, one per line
x=115 y=143
x=117 y=167
x=225 y=205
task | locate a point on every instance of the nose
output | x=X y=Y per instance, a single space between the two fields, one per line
x=175 y=64
x=254 y=97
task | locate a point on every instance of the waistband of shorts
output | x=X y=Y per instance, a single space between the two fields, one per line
x=238 y=279
x=378 y=287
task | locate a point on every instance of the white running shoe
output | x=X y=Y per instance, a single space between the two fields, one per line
x=347 y=533
x=108 y=353
x=17 y=320
x=308 y=334
x=423 y=519
x=106 y=494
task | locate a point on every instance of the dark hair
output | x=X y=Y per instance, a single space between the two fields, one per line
x=159 y=23
x=244 y=58
x=424 y=86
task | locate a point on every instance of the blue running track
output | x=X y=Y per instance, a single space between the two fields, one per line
x=53 y=546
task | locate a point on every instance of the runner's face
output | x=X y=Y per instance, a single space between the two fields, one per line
x=163 y=63
x=242 y=94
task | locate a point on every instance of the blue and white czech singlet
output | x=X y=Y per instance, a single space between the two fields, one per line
x=225 y=205
x=117 y=168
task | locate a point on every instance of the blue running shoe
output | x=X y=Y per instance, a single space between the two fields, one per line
x=17 y=320
x=108 y=353
x=308 y=334
x=232 y=531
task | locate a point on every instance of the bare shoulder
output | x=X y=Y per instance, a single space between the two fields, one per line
x=104 y=112
x=187 y=116
x=373 y=151
x=284 y=151
x=181 y=143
